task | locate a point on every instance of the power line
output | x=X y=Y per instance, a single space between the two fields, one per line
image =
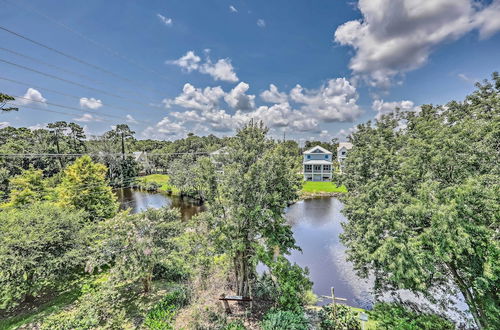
x=99 y=154
x=64 y=70
x=72 y=108
x=81 y=35
x=74 y=83
x=61 y=93
x=73 y=58
x=58 y=112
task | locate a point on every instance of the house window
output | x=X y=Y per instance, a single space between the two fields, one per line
x=327 y=167
x=308 y=168
x=326 y=156
x=317 y=168
x=308 y=156
x=343 y=153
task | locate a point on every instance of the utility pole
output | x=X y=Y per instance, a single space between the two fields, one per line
x=123 y=146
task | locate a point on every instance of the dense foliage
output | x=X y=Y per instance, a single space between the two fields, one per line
x=40 y=249
x=338 y=317
x=134 y=244
x=423 y=201
x=279 y=319
x=394 y=316
x=84 y=187
x=163 y=313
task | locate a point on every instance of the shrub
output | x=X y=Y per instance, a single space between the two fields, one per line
x=280 y=319
x=235 y=325
x=163 y=313
x=292 y=284
x=396 y=316
x=40 y=250
x=102 y=306
x=337 y=316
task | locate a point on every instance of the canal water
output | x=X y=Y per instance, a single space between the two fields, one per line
x=316 y=226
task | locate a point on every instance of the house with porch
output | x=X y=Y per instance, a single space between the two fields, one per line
x=317 y=164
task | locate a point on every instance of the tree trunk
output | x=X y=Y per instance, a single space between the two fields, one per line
x=475 y=310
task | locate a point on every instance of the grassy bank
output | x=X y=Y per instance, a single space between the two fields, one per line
x=311 y=188
x=162 y=180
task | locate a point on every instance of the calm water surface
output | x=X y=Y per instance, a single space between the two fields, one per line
x=316 y=226
x=138 y=201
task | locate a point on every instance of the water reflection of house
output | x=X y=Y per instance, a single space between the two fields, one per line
x=342 y=151
x=141 y=158
x=317 y=164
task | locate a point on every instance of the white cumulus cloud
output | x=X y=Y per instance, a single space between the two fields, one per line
x=233 y=9
x=397 y=36
x=31 y=96
x=90 y=103
x=261 y=23
x=273 y=95
x=188 y=62
x=383 y=108
x=334 y=101
x=197 y=99
x=222 y=69
x=4 y=124
x=238 y=99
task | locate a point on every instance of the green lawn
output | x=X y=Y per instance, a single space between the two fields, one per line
x=163 y=180
x=322 y=187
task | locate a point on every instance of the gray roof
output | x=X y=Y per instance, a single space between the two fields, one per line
x=347 y=145
x=323 y=150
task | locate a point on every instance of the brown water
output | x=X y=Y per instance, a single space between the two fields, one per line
x=138 y=201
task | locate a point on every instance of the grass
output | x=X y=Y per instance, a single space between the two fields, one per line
x=163 y=180
x=322 y=187
x=41 y=311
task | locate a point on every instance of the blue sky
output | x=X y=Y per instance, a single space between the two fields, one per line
x=172 y=67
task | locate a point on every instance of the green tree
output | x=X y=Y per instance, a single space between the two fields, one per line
x=27 y=187
x=134 y=244
x=40 y=249
x=84 y=186
x=396 y=316
x=4 y=98
x=247 y=197
x=77 y=138
x=423 y=201
x=58 y=128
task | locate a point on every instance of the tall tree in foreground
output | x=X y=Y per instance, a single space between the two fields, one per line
x=248 y=188
x=84 y=187
x=423 y=201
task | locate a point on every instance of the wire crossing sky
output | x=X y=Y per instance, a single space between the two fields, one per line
x=308 y=69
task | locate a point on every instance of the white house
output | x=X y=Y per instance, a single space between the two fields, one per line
x=141 y=157
x=317 y=164
x=342 y=151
